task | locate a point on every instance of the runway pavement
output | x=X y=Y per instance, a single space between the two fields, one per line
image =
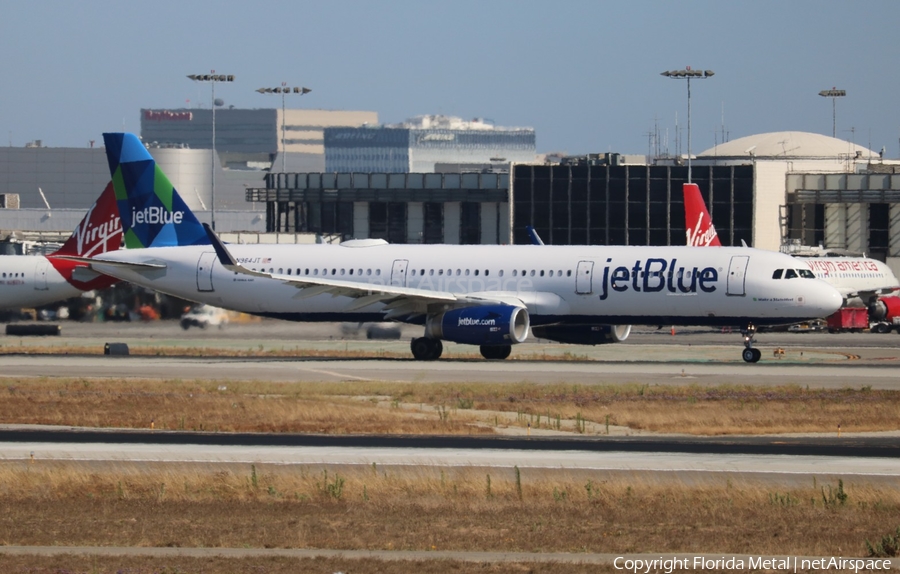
x=648 y=365
x=649 y=356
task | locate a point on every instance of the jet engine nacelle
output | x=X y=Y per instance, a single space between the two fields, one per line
x=885 y=309
x=583 y=334
x=482 y=325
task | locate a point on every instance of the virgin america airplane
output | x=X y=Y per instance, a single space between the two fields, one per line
x=35 y=280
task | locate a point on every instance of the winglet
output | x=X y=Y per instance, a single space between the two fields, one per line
x=533 y=235
x=226 y=259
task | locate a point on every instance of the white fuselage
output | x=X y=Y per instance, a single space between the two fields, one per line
x=31 y=281
x=857 y=278
x=557 y=284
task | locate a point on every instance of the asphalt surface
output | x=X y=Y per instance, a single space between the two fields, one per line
x=694 y=356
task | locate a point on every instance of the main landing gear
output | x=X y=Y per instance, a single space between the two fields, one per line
x=750 y=354
x=428 y=349
x=495 y=351
x=425 y=349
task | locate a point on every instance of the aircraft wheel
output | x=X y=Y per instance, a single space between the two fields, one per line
x=425 y=349
x=751 y=355
x=495 y=351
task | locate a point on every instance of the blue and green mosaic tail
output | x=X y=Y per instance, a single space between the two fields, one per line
x=152 y=212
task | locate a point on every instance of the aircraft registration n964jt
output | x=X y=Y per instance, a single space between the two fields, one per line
x=485 y=295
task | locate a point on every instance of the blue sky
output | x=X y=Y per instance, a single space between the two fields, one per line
x=584 y=74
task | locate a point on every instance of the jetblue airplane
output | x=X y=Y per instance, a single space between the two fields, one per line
x=860 y=280
x=485 y=295
x=35 y=280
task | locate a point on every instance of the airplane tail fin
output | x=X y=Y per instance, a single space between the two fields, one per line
x=152 y=212
x=700 y=229
x=100 y=230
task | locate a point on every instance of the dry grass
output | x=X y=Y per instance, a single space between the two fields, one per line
x=725 y=409
x=459 y=408
x=236 y=407
x=122 y=565
x=431 y=509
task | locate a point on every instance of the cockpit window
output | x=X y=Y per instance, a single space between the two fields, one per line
x=790 y=274
x=806 y=273
x=777 y=274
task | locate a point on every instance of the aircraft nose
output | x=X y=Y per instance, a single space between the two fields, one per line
x=827 y=299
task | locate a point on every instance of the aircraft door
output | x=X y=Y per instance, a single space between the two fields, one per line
x=40 y=274
x=737 y=275
x=584 y=278
x=398 y=273
x=204 y=271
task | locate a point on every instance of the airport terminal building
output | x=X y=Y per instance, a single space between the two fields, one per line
x=766 y=190
x=423 y=143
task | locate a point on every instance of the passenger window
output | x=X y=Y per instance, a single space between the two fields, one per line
x=413 y=272
x=790 y=274
x=500 y=273
x=476 y=273
x=515 y=272
x=368 y=271
x=431 y=271
x=777 y=274
x=532 y=272
x=458 y=272
x=542 y=272
x=487 y=272
x=289 y=270
x=378 y=272
x=467 y=273
x=440 y=271
x=569 y=273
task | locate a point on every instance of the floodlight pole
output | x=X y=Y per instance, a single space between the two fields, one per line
x=212 y=78
x=687 y=74
x=284 y=89
x=834 y=94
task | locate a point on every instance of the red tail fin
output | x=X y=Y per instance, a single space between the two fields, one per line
x=100 y=230
x=700 y=230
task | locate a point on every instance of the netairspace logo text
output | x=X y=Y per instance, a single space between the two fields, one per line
x=785 y=564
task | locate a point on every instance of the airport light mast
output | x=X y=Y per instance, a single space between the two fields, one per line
x=834 y=94
x=212 y=78
x=284 y=90
x=687 y=74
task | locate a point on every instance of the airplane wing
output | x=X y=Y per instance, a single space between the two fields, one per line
x=401 y=301
x=868 y=293
x=120 y=264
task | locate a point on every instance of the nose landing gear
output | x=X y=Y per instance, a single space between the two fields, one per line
x=750 y=354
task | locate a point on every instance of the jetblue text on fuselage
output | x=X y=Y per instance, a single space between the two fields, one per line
x=153 y=215
x=655 y=275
